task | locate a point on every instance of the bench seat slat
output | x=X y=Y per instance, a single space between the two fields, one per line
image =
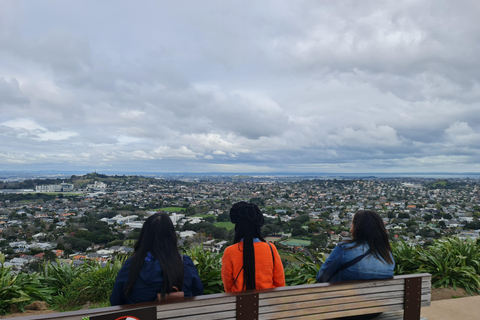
x=305 y=296
x=208 y=316
x=311 y=308
x=332 y=289
x=196 y=303
x=188 y=310
x=328 y=302
x=325 y=298
x=329 y=315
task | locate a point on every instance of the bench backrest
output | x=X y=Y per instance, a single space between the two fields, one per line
x=316 y=301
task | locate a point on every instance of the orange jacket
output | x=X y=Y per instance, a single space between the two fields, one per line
x=266 y=276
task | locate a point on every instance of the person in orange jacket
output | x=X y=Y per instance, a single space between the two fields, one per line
x=251 y=262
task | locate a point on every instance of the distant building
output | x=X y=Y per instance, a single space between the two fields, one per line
x=63 y=187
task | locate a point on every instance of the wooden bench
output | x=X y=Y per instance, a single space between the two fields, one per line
x=398 y=298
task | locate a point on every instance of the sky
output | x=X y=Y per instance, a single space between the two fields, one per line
x=245 y=86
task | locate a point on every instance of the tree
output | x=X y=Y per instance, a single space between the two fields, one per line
x=223 y=217
x=49 y=255
x=209 y=219
x=403 y=215
x=302 y=218
x=319 y=241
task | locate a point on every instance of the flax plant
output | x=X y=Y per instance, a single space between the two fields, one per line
x=209 y=267
x=20 y=289
x=302 y=272
x=452 y=262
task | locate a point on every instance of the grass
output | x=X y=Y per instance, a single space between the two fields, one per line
x=225 y=224
x=296 y=242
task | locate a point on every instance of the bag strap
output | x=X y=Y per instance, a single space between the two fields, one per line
x=273 y=257
x=352 y=262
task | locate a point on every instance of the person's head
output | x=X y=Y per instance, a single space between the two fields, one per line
x=159 y=238
x=368 y=227
x=158 y=233
x=248 y=220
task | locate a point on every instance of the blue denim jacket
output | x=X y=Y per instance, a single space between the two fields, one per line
x=368 y=268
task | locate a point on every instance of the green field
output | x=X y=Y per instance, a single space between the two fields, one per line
x=296 y=242
x=172 y=209
x=226 y=224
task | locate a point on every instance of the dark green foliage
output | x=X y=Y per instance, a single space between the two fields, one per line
x=303 y=271
x=302 y=218
x=209 y=266
x=93 y=284
x=451 y=261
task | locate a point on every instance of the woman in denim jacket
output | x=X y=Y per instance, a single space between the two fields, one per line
x=367 y=255
x=368 y=233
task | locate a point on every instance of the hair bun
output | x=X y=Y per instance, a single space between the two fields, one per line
x=246 y=212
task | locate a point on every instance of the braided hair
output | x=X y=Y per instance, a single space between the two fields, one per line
x=248 y=219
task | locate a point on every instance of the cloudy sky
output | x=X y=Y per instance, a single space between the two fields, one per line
x=240 y=86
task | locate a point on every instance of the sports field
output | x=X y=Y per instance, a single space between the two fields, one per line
x=296 y=242
x=225 y=224
x=172 y=209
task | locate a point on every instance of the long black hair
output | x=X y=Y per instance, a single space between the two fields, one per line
x=157 y=237
x=248 y=219
x=369 y=228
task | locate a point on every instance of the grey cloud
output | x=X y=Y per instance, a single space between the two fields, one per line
x=11 y=94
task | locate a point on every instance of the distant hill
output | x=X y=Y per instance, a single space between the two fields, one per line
x=78 y=181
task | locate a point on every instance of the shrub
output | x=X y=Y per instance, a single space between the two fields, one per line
x=209 y=266
x=406 y=257
x=303 y=272
x=95 y=285
x=452 y=262
x=20 y=289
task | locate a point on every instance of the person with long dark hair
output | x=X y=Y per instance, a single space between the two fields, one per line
x=367 y=255
x=156 y=266
x=251 y=262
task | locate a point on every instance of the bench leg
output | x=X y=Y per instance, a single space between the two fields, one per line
x=413 y=298
x=247 y=307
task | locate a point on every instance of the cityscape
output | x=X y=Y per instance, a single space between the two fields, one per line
x=96 y=216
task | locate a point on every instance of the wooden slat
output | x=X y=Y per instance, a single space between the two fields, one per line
x=317 y=288
x=388 y=304
x=331 y=315
x=196 y=303
x=207 y=316
x=212 y=309
x=329 y=302
x=337 y=294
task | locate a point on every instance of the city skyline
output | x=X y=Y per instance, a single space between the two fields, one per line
x=264 y=87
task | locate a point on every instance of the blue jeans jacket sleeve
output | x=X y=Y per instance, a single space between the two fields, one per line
x=117 y=298
x=331 y=265
x=192 y=285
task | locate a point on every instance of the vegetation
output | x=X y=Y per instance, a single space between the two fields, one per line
x=451 y=261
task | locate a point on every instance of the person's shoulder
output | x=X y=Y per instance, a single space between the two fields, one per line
x=268 y=245
x=187 y=261
x=186 y=258
x=231 y=248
